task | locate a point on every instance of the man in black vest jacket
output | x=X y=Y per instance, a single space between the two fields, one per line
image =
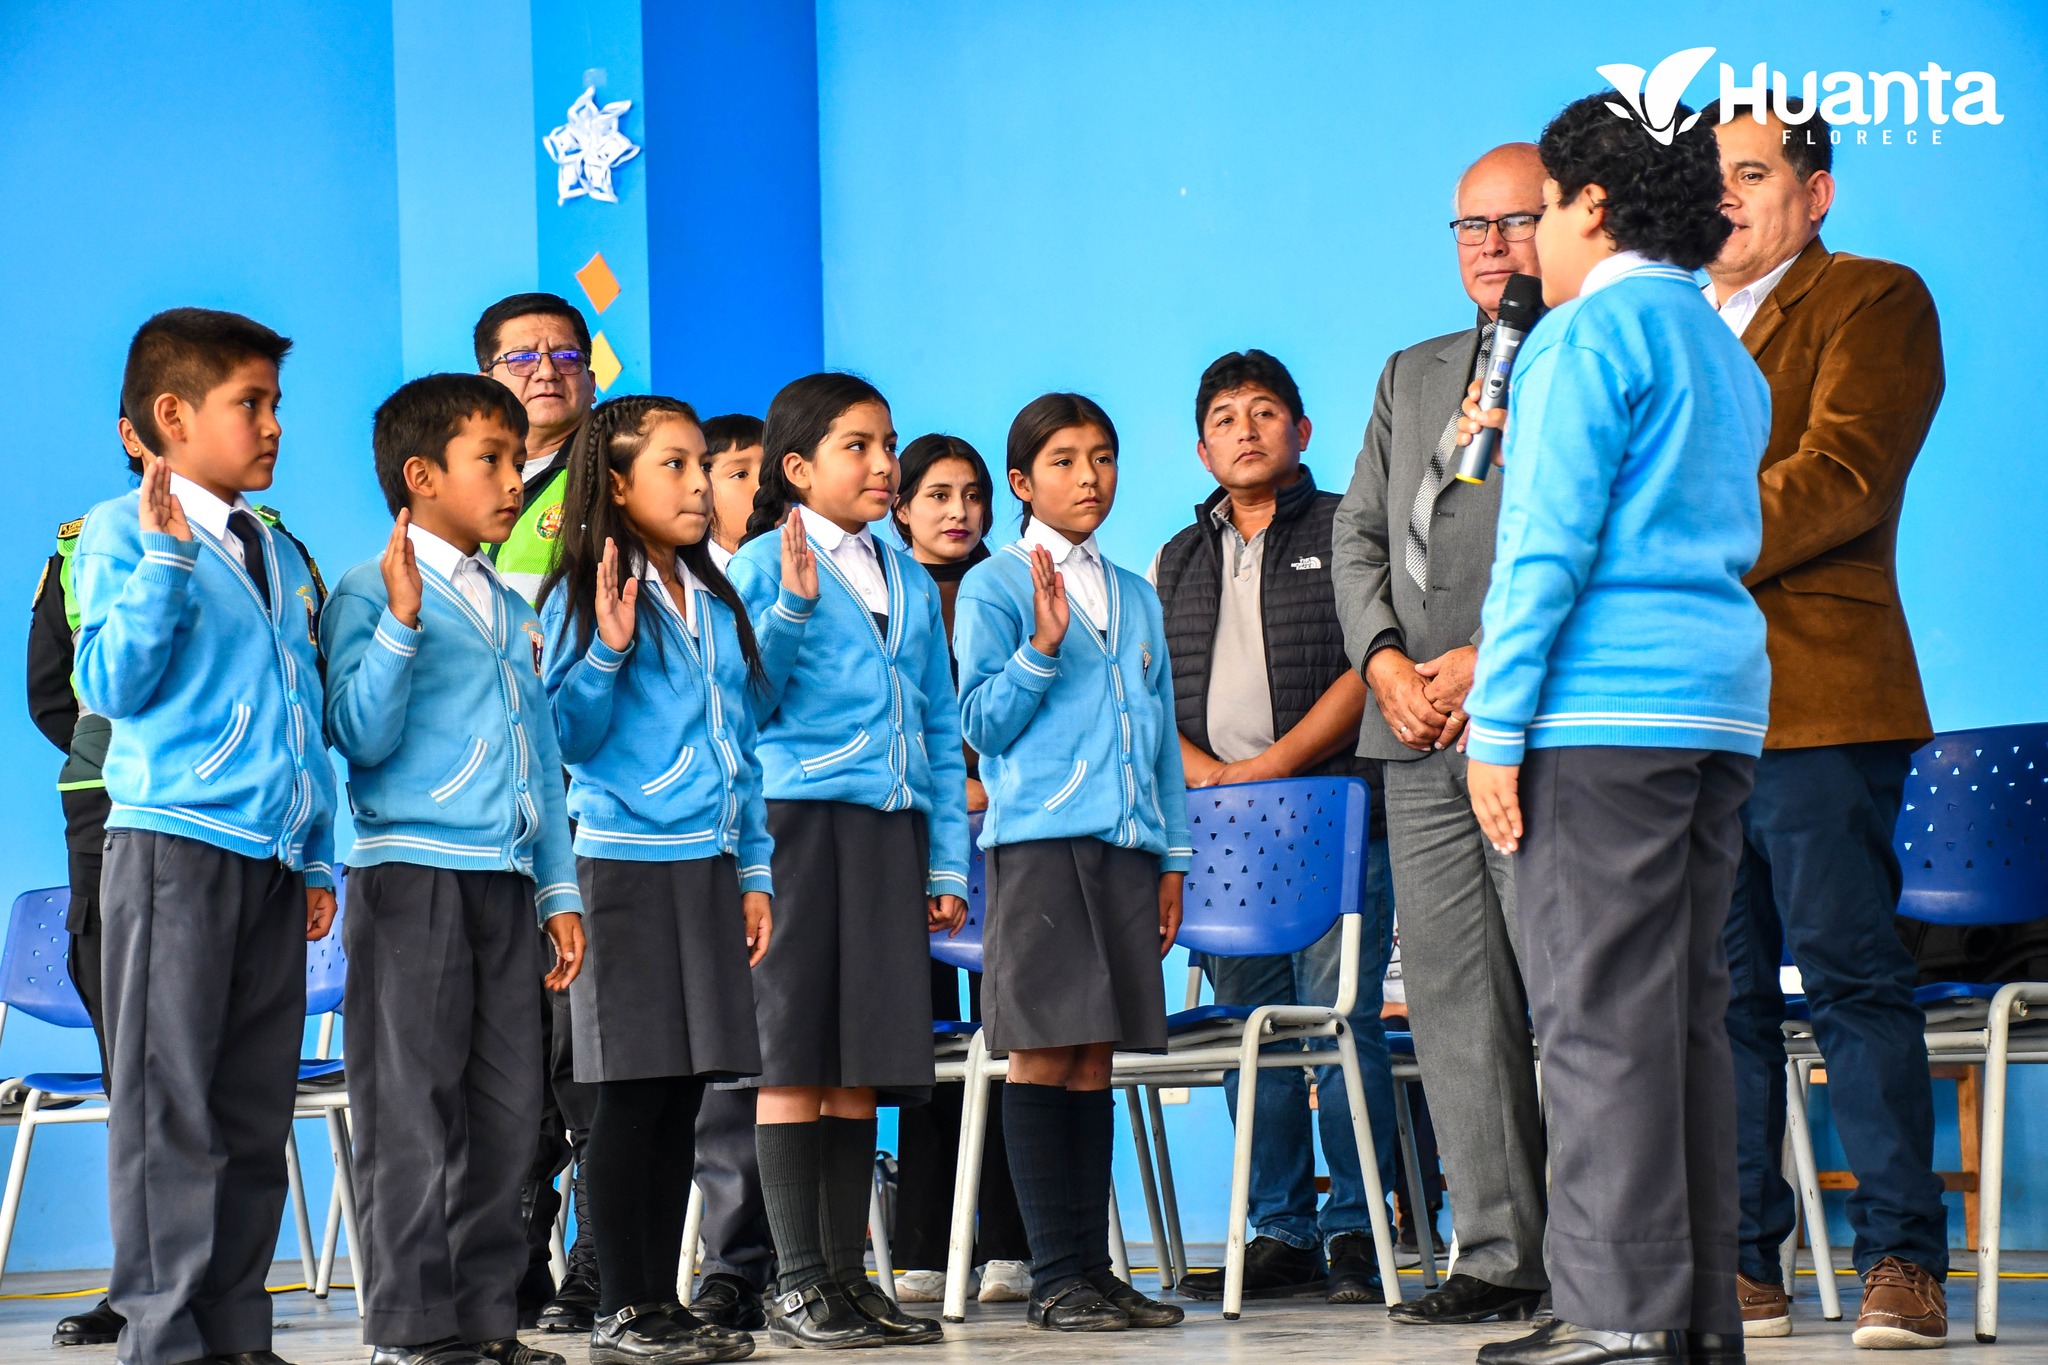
x=1262 y=690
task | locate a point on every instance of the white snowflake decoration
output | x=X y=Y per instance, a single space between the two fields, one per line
x=587 y=147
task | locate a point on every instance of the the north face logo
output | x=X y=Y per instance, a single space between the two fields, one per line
x=1653 y=98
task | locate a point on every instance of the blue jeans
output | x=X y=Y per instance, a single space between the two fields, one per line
x=1819 y=873
x=1283 y=1192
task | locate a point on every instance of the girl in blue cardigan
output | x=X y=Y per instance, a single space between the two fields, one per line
x=647 y=664
x=860 y=748
x=1067 y=696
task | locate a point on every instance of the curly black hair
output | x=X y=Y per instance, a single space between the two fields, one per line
x=1662 y=201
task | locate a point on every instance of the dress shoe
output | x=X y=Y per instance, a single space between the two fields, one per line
x=1354 y=1270
x=1766 y=1308
x=445 y=1352
x=820 y=1319
x=1272 y=1270
x=663 y=1335
x=1079 y=1307
x=248 y=1358
x=98 y=1325
x=513 y=1351
x=901 y=1328
x=1904 y=1307
x=1142 y=1312
x=574 y=1306
x=1466 y=1298
x=1561 y=1343
x=729 y=1301
x=1713 y=1348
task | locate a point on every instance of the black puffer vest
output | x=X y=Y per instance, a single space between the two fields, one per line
x=1304 y=641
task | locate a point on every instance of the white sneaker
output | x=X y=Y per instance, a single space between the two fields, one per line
x=921 y=1286
x=1005 y=1282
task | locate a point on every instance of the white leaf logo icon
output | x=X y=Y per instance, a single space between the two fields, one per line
x=1653 y=100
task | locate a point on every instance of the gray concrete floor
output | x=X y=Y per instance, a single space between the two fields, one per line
x=1308 y=1331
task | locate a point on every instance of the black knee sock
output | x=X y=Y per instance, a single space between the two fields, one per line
x=845 y=1188
x=1035 y=1130
x=1091 y=1135
x=791 y=1157
x=628 y=1158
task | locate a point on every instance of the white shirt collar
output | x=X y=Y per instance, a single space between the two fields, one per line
x=1742 y=305
x=720 y=556
x=1057 y=545
x=830 y=536
x=444 y=558
x=691 y=585
x=205 y=509
x=1613 y=268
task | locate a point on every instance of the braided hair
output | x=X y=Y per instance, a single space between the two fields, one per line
x=607 y=443
x=798 y=421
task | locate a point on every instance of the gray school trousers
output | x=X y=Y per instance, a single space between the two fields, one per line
x=1623 y=882
x=205 y=962
x=444 y=1076
x=1455 y=899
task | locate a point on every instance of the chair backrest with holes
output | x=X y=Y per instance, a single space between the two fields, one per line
x=35 y=969
x=326 y=962
x=1275 y=865
x=964 y=949
x=1972 y=836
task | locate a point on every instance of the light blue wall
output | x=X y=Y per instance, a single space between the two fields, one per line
x=1049 y=194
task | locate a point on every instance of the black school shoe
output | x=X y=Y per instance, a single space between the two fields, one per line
x=98 y=1325
x=574 y=1306
x=1354 y=1270
x=448 y=1351
x=729 y=1301
x=663 y=1335
x=1466 y=1299
x=1561 y=1343
x=1142 y=1312
x=513 y=1351
x=248 y=1358
x=820 y=1319
x=877 y=1307
x=1713 y=1348
x=1272 y=1270
x=1080 y=1307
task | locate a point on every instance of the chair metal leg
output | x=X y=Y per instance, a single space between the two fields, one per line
x=1174 y=1256
x=1135 y=1110
x=1418 y=1196
x=1991 y=1174
x=345 y=1189
x=1809 y=1190
x=17 y=1172
x=1119 y=1253
x=967 y=1180
x=1241 y=1176
x=878 y=1233
x=1788 y=1250
x=1368 y=1161
x=693 y=1236
x=330 y=1235
x=295 y=1180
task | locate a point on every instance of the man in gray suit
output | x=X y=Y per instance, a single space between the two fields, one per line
x=1412 y=550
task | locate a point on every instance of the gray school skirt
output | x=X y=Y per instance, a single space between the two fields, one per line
x=1070 y=947
x=665 y=988
x=843 y=997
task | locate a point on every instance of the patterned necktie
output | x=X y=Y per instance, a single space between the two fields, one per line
x=1433 y=479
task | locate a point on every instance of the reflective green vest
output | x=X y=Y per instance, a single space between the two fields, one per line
x=529 y=552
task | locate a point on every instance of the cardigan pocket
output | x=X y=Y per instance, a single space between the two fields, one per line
x=813 y=766
x=461 y=774
x=675 y=771
x=1066 y=793
x=227 y=745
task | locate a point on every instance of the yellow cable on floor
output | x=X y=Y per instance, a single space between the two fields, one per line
x=97 y=1293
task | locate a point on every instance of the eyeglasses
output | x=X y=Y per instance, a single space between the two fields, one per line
x=1514 y=227
x=525 y=363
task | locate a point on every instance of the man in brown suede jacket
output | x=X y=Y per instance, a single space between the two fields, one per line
x=1852 y=349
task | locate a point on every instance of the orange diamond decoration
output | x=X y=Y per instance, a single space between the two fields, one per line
x=604 y=361
x=598 y=282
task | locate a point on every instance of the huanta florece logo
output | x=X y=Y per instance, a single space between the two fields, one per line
x=1652 y=98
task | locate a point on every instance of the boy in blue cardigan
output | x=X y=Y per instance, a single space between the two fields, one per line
x=435 y=699
x=198 y=639
x=1620 y=702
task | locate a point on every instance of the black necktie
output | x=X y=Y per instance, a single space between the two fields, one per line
x=242 y=526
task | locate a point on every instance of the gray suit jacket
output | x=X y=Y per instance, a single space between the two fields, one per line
x=1419 y=391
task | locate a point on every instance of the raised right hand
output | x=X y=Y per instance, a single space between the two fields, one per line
x=401 y=572
x=1402 y=695
x=1049 y=611
x=616 y=609
x=161 y=512
x=799 y=561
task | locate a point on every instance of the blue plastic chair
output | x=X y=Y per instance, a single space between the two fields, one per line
x=1972 y=840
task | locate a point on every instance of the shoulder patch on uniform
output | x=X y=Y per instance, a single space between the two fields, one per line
x=72 y=529
x=270 y=515
x=41 y=583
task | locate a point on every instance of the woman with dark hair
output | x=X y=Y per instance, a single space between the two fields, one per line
x=1621 y=698
x=942 y=511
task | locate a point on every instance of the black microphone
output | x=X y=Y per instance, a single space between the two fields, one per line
x=1521 y=303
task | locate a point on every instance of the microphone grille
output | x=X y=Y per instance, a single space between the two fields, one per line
x=1521 y=303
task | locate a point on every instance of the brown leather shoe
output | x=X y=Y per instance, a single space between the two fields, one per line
x=1904 y=1307
x=1766 y=1308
